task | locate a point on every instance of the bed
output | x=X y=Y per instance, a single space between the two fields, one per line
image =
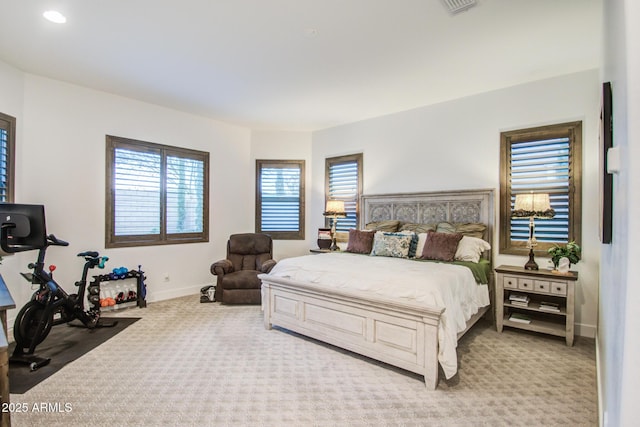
x=380 y=316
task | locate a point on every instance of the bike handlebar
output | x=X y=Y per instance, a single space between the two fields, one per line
x=103 y=260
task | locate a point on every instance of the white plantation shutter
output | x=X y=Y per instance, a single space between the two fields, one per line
x=156 y=194
x=542 y=167
x=137 y=192
x=7 y=138
x=343 y=183
x=185 y=184
x=280 y=198
x=4 y=135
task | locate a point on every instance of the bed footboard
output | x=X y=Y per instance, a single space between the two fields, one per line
x=394 y=332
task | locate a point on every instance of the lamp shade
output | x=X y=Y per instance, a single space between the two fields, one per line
x=335 y=208
x=533 y=205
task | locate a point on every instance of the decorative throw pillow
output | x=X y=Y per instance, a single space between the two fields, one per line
x=413 y=245
x=471 y=249
x=473 y=229
x=394 y=245
x=422 y=239
x=360 y=241
x=441 y=246
x=417 y=228
x=390 y=225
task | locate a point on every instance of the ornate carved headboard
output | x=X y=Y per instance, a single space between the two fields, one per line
x=433 y=207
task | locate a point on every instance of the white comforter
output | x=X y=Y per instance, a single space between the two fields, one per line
x=432 y=284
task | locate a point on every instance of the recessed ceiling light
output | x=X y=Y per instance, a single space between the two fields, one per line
x=54 y=16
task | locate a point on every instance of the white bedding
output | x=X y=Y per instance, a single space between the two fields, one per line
x=431 y=284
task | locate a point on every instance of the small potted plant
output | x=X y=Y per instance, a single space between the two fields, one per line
x=571 y=251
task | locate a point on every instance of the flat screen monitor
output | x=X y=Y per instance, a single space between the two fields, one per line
x=24 y=227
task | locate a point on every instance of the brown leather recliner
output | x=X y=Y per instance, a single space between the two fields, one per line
x=248 y=254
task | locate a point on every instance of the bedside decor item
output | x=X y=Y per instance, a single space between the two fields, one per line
x=324 y=238
x=571 y=251
x=533 y=206
x=334 y=210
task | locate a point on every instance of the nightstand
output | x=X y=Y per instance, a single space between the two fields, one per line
x=536 y=300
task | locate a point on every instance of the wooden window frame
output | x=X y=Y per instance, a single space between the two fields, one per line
x=8 y=123
x=342 y=236
x=572 y=131
x=281 y=235
x=163 y=238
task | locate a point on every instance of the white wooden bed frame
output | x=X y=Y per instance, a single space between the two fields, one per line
x=392 y=331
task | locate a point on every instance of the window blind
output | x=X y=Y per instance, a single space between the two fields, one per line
x=542 y=166
x=343 y=185
x=137 y=188
x=185 y=186
x=280 y=198
x=4 y=162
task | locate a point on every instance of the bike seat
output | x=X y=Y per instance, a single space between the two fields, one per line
x=91 y=254
x=53 y=240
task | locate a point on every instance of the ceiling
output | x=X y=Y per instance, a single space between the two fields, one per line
x=299 y=64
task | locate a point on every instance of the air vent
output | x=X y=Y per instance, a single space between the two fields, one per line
x=457 y=6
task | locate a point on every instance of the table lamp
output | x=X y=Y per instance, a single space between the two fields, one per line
x=533 y=206
x=334 y=210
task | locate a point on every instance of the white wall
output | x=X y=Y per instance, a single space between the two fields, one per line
x=61 y=164
x=277 y=145
x=456 y=145
x=619 y=329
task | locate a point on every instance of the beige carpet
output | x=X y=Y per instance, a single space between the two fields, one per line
x=191 y=364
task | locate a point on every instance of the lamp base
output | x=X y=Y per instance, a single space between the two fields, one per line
x=334 y=246
x=531 y=264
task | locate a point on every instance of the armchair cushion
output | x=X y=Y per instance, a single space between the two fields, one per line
x=244 y=279
x=267 y=265
x=222 y=267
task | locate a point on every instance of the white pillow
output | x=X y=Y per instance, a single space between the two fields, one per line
x=470 y=249
x=422 y=239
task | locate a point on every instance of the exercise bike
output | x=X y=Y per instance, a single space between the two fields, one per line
x=23 y=228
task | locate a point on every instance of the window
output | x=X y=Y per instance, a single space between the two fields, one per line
x=541 y=160
x=156 y=194
x=7 y=152
x=343 y=181
x=280 y=198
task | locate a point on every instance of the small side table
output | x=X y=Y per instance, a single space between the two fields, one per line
x=536 y=300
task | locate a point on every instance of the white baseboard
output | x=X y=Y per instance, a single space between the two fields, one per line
x=587 y=331
x=175 y=292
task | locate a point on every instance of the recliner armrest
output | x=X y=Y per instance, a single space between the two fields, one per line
x=222 y=267
x=267 y=265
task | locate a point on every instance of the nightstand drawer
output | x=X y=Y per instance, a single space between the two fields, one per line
x=542 y=286
x=525 y=284
x=559 y=288
x=510 y=282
